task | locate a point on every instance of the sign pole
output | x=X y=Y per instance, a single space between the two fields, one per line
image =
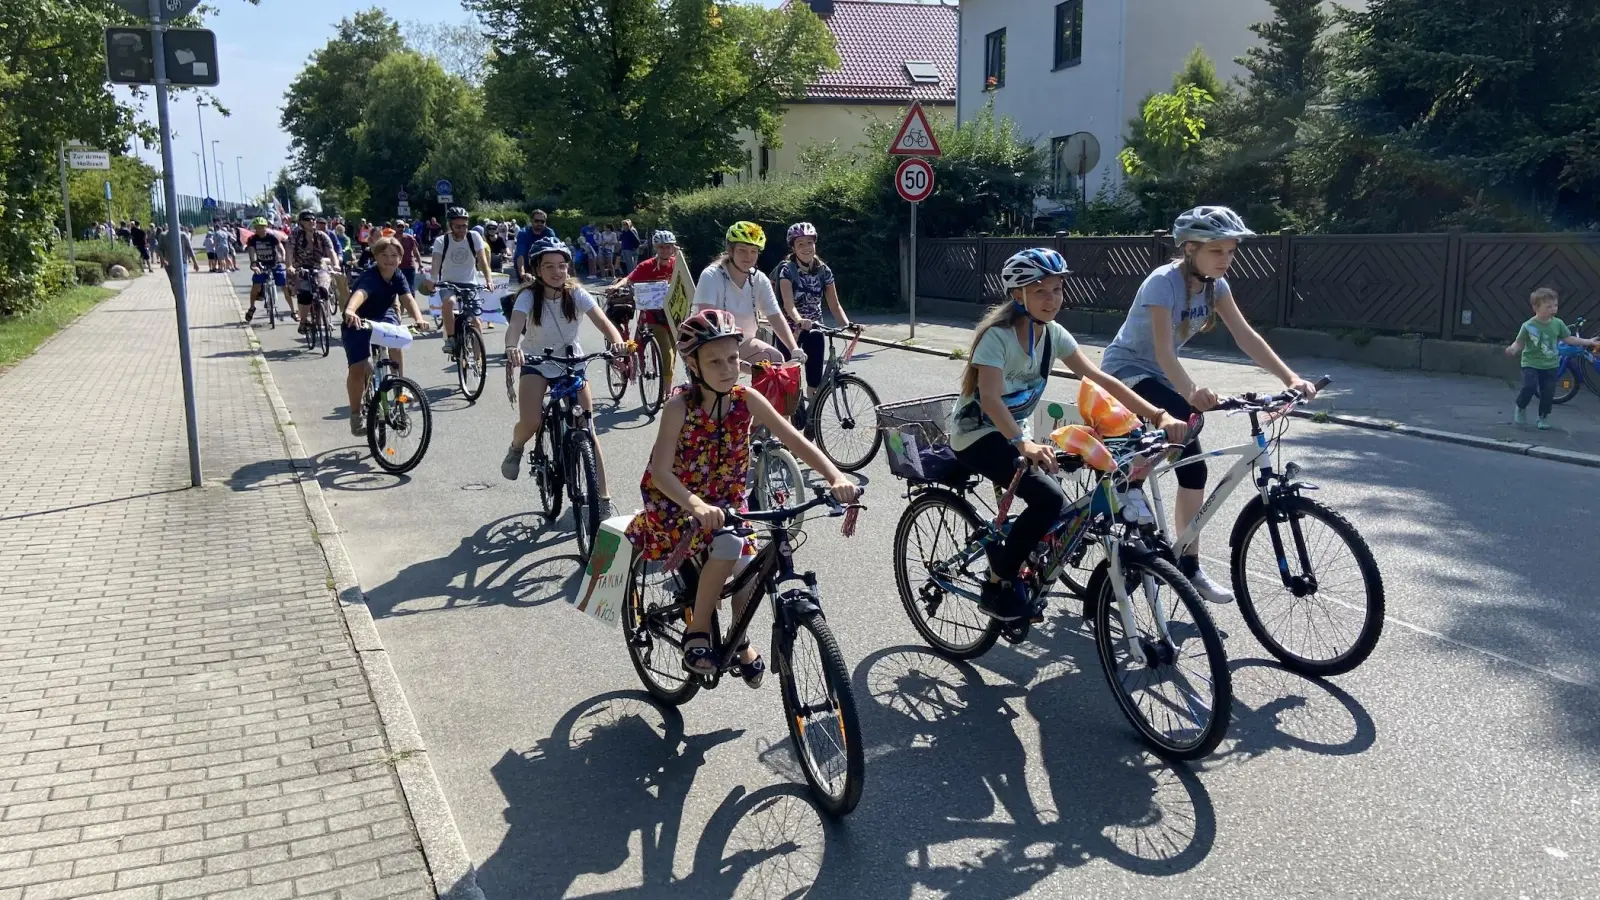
x=66 y=206
x=177 y=274
x=913 y=264
x=111 y=228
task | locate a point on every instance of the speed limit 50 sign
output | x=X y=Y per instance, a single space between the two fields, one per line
x=914 y=180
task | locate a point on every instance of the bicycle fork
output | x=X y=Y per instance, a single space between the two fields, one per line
x=1158 y=607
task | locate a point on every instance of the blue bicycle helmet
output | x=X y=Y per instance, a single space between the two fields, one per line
x=1028 y=266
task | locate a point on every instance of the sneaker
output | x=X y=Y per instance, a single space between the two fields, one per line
x=606 y=509
x=358 y=428
x=511 y=466
x=249 y=314
x=1209 y=590
x=1544 y=424
x=1519 y=415
x=999 y=601
x=449 y=345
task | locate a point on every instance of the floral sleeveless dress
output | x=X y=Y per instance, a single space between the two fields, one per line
x=713 y=462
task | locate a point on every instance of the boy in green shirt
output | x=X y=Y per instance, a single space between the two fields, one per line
x=1537 y=340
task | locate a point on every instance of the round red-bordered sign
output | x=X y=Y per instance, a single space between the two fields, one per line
x=914 y=180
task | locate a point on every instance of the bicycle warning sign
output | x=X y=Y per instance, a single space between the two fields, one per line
x=915 y=137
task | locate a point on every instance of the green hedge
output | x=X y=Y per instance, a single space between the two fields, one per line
x=500 y=212
x=90 y=272
x=985 y=182
x=121 y=255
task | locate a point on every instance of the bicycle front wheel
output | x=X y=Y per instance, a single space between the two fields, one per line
x=546 y=474
x=844 y=420
x=584 y=487
x=399 y=424
x=1176 y=690
x=270 y=295
x=940 y=569
x=821 y=708
x=1308 y=585
x=776 y=479
x=325 y=329
x=652 y=379
x=1591 y=377
x=654 y=619
x=472 y=365
x=617 y=378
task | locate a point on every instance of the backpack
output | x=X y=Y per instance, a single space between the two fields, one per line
x=472 y=241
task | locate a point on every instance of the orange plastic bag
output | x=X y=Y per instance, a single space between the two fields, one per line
x=780 y=385
x=1102 y=412
x=1081 y=442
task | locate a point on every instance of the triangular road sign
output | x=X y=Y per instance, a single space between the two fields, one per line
x=915 y=137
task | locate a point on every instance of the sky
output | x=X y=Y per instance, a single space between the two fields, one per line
x=261 y=48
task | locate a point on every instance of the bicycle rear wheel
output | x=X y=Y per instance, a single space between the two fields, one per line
x=1591 y=377
x=652 y=381
x=399 y=424
x=654 y=619
x=775 y=479
x=1177 y=692
x=1568 y=381
x=844 y=420
x=821 y=708
x=940 y=571
x=471 y=364
x=584 y=487
x=1327 y=618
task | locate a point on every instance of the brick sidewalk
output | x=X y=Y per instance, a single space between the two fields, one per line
x=1466 y=404
x=182 y=712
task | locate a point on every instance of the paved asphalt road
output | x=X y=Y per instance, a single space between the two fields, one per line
x=1460 y=761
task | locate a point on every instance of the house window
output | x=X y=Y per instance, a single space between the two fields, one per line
x=922 y=72
x=1069 y=33
x=994 y=60
x=1063 y=171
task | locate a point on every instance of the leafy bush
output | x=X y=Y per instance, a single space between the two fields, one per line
x=500 y=212
x=985 y=181
x=89 y=272
x=119 y=255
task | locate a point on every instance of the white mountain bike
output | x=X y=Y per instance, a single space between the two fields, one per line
x=1313 y=596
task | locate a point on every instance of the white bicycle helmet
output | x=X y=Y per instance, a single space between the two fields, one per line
x=1031 y=265
x=1209 y=223
x=663 y=237
x=801 y=229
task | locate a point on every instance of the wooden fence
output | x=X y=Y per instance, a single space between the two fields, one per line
x=1451 y=286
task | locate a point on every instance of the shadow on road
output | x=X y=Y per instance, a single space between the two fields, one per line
x=504 y=563
x=352 y=469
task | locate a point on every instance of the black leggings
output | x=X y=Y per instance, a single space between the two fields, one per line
x=1192 y=475
x=993 y=457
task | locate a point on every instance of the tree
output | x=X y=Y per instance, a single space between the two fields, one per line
x=284 y=188
x=459 y=49
x=1474 y=113
x=618 y=102
x=323 y=104
x=130 y=179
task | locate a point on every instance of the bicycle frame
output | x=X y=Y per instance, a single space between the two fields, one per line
x=1256 y=456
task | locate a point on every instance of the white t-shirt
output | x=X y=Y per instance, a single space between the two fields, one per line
x=716 y=290
x=553 y=332
x=461 y=262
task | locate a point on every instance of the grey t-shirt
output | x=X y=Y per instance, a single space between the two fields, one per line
x=1131 y=356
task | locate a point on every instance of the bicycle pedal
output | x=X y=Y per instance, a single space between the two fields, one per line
x=1015 y=633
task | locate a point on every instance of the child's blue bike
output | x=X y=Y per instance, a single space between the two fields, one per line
x=1578 y=367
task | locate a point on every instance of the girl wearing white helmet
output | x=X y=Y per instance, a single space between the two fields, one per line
x=1178 y=300
x=700 y=465
x=1013 y=351
x=552 y=309
x=804 y=281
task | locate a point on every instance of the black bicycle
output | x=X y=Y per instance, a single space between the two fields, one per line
x=399 y=422
x=843 y=419
x=821 y=717
x=563 y=454
x=471 y=364
x=321 y=311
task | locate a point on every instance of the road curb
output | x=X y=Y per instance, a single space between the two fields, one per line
x=454 y=877
x=1519 y=448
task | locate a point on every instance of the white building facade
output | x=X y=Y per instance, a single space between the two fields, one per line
x=1059 y=67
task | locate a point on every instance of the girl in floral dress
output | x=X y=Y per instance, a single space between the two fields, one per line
x=700 y=466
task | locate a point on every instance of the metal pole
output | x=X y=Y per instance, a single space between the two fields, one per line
x=199 y=105
x=177 y=274
x=222 y=183
x=238 y=177
x=913 y=270
x=66 y=205
x=111 y=230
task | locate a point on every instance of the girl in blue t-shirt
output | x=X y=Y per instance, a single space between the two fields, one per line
x=1177 y=301
x=1013 y=351
x=804 y=281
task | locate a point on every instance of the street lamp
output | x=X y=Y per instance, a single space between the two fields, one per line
x=199 y=104
x=238 y=177
x=222 y=184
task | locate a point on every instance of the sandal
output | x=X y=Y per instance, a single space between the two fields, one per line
x=700 y=659
x=754 y=671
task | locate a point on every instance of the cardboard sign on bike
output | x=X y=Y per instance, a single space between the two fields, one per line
x=680 y=295
x=606 y=578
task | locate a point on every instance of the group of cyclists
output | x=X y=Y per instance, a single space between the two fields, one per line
x=698 y=470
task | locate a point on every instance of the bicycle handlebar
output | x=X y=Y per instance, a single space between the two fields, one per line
x=1256 y=402
x=735 y=522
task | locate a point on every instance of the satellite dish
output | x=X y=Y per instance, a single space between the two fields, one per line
x=1079 y=153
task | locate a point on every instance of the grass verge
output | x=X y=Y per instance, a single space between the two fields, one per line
x=21 y=335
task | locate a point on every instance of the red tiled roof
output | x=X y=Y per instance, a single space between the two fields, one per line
x=875 y=40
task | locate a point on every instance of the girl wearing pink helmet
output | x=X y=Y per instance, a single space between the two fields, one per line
x=701 y=464
x=804 y=281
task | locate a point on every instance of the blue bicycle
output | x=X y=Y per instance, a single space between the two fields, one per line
x=1578 y=367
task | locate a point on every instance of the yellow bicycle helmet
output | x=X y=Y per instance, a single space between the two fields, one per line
x=747 y=233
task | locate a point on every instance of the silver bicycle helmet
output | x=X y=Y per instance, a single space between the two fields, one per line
x=1209 y=223
x=663 y=237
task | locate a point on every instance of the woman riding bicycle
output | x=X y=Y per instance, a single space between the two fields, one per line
x=732 y=282
x=1177 y=301
x=656 y=269
x=555 y=305
x=1012 y=354
x=700 y=464
x=804 y=281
